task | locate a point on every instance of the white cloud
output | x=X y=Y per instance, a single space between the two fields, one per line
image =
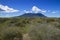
x=7 y=9
x=37 y=10
x=43 y=11
x=54 y=12
x=27 y=11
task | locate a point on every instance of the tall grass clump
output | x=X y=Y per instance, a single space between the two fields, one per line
x=44 y=32
x=11 y=33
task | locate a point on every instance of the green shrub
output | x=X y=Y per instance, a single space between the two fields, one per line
x=11 y=33
x=44 y=32
x=58 y=26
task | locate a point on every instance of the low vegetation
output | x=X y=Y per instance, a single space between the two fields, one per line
x=35 y=28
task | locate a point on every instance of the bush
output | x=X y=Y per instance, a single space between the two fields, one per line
x=11 y=33
x=44 y=32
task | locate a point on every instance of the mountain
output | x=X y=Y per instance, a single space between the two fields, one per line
x=32 y=15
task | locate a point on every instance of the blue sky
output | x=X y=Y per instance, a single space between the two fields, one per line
x=50 y=8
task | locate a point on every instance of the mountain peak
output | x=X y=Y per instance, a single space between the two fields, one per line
x=33 y=15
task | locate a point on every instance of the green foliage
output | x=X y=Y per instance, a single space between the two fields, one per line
x=36 y=28
x=44 y=32
x=11 y=33
x=58 y=26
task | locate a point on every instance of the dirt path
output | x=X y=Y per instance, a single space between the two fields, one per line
x=26 y=37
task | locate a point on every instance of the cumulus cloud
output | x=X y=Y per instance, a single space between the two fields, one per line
x=7 y=9
x=37 y=10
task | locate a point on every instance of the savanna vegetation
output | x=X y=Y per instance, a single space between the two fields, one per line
x=21 y=28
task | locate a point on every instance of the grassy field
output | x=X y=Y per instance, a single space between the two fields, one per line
x=21 y=28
